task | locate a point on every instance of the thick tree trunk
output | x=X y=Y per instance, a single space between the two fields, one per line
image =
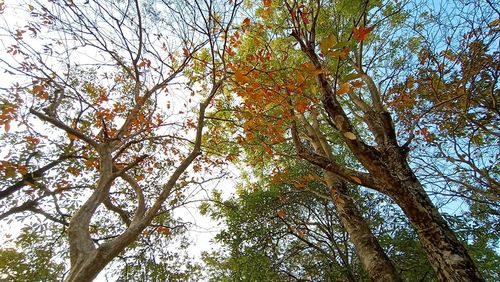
x=373 y=258
x=88 y=266
x=445 y=253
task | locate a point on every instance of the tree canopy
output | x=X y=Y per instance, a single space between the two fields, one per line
x=365 y=134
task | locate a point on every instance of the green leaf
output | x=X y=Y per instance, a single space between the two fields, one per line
x=327 y=43
x=351 y=76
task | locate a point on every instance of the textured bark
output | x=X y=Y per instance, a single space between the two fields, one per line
x=389 y=172
x=373 y=258
x=446 y=254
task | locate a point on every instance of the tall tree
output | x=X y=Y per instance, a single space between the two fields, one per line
x=98 y=108
x=336 y=38
x=286 y=227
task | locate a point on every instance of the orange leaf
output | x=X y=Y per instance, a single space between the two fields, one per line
x=301 y=106
x=268 y=149
x=299 y=185
x=280 y=213
x=246 y=22
x=356 y=179
x=267 y=3
x=240 y=77
x=344 y=88
x=38 y=88
x=6 y=126
x=22 y=169
x=197 y=167
x=304 y=18
x=361 y=33
x=357 y=84
x=32 y=140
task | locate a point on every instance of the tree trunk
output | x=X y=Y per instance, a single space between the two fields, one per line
x=446 y=254
x=373 y=258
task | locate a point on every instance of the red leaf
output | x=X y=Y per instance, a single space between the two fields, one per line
x=361 y=33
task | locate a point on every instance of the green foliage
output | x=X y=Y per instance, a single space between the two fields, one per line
x=29 y=261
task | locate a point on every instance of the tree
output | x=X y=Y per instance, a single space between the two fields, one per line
x=291 y=229
x=28 y=262
x=453 y=90
x=336 y=42
x=105 y=142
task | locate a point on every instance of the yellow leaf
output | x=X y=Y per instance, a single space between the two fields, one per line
x=327 y=43
x=344 y=88
x=350 y=135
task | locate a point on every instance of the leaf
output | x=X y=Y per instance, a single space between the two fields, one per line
x=240 y=77
x=304 y=18
x=267 y=3
x=10 y=171
x=6 y=126
x=349 y=135
x=343 y=44
x=327 y=43
x=361 y=33
x=344 y=88
x=197 y=167
x=357 y=84
x=312 y=69
x=352 y=76
x=299 y=185
x=73 y=170
x=23 y=170
x=246 y=22
x=38 y=88
x=301 y=106
x=267 y=149
x=356 y=179
x=280 y=213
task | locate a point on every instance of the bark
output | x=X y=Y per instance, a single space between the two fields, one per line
x=87 y=260
x=390 y=173
x=373 y=258
x=446 y=254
